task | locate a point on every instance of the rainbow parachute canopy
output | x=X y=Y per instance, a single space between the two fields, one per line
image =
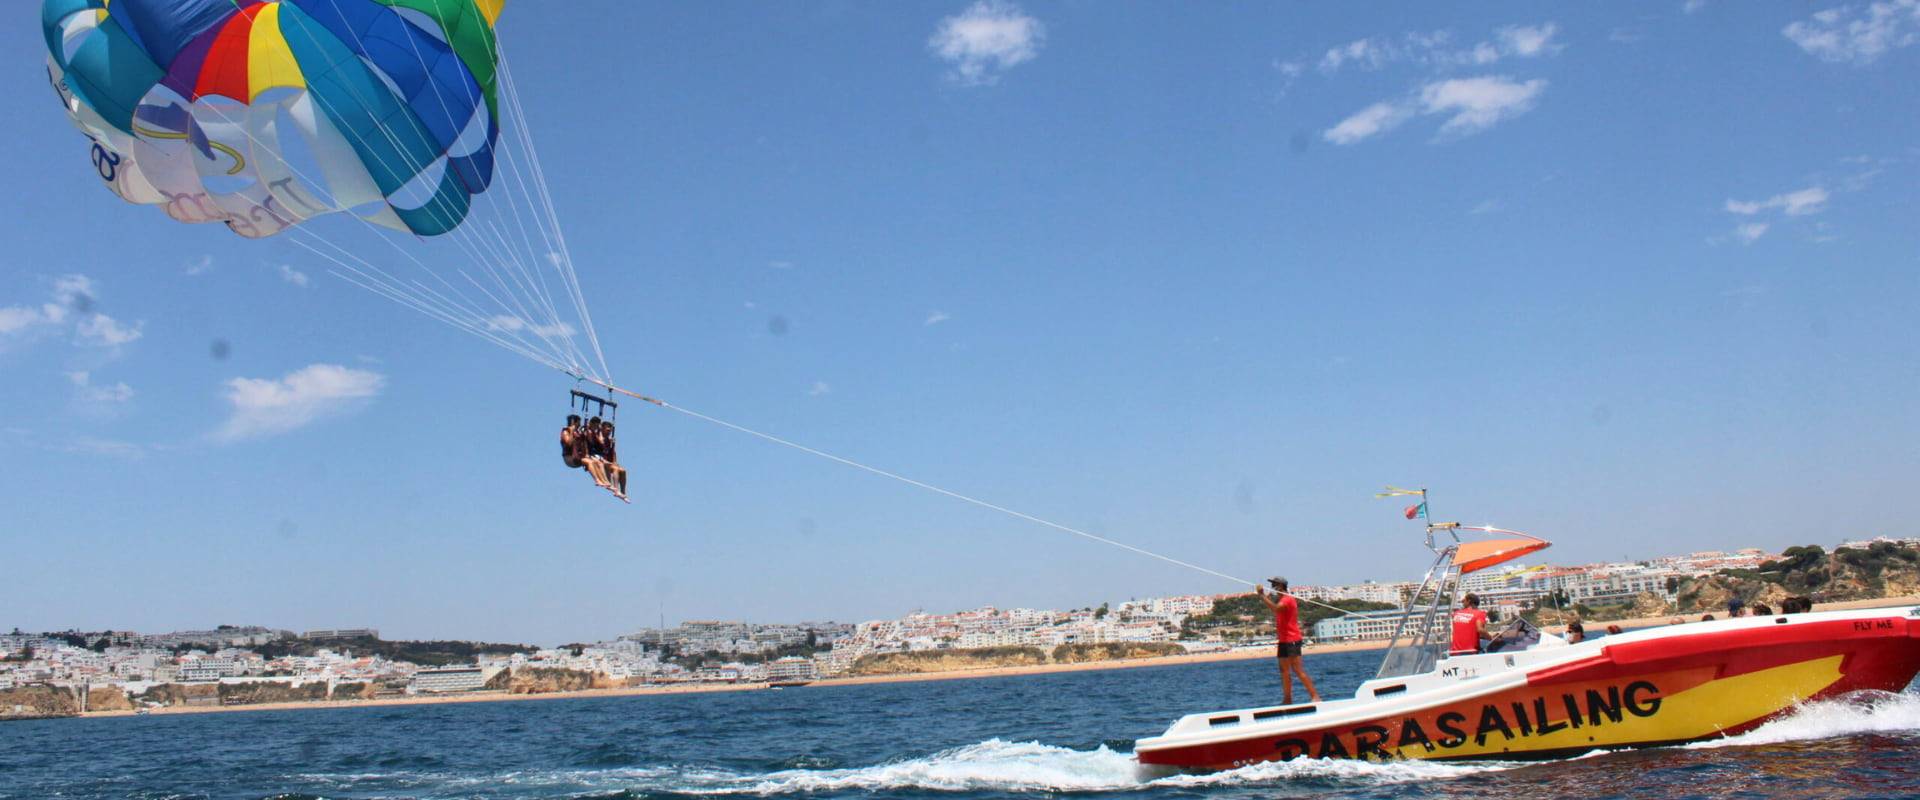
x=262 y=115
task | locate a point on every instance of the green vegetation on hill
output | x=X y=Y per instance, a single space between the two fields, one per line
x=1246 y=617
x=426 y=654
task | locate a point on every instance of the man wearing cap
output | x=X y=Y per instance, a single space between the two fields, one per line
x=1286 y=634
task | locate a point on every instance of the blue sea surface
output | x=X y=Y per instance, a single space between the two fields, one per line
x=1058 y=735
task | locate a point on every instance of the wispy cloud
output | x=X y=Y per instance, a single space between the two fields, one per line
x=1471 y=105
x=101 y=330
x=1749 y=232
x=819 y=388
x=1693 y=6
x=1855 y=35
x=93 y=394
x=987 y=39
x=1811 y=200
x=937 y=317
x=780 y=265
x=1477 y=103
x=1487 y=206
x=266 y=407
x=294 y=276
x=1368 y=122
x=71 y=307
x=511 y=324
x=1438 y=49
x=199 y=266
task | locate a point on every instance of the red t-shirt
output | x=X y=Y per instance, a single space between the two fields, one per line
x=1466 y=630
x=1286 y=620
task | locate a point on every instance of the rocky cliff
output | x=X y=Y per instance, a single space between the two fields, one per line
x=921 y=661
x=38 y=702
x=1114 y=651
x=542 y=680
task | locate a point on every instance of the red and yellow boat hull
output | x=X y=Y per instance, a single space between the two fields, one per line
x=1660 y=686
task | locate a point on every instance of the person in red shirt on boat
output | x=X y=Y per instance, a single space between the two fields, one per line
x=1286 y=634
x=1469 y=627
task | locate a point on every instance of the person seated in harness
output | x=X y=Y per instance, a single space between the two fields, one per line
x=577 y=452
x=616 y=474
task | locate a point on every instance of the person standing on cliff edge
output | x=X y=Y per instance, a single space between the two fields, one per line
x=1288 y=641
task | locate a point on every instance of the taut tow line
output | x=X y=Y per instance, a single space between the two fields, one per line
x=935 y=489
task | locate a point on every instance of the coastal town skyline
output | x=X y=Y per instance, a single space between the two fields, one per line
x=1581 y=582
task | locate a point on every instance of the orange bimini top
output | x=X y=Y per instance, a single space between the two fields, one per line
x=1476 y=556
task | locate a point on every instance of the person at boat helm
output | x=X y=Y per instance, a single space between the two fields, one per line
x=1576 y=632
x=1288 y=641
x=1469 y=627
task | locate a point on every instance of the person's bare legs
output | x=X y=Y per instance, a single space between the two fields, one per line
x=620 y=477
x=597 y=470
x=1286 y=684
x=1294 y=665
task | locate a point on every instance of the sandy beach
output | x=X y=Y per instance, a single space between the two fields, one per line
x=993 y=672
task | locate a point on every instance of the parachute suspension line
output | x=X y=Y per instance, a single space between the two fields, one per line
x=393 y=285
x=383 y=289
x=564 y=263
x=391 y=289
x=488 y=257
x=524 y=277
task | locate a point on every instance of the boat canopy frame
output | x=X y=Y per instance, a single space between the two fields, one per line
x=1415 y=649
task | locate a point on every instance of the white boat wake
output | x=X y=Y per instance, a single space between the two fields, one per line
x=1857 y=713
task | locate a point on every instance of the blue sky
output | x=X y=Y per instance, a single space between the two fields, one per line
x=1635 y=278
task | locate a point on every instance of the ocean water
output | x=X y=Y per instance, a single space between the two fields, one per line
x=1065 y=735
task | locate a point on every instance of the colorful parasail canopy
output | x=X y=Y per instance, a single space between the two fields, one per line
x=262 y=115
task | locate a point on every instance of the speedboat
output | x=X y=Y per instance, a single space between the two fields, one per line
x=1655 y=686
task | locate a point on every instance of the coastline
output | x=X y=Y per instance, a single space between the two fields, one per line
x=990 y=672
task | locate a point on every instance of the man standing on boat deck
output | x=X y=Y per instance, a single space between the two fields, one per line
x=1469 y=627
x=1289 y=641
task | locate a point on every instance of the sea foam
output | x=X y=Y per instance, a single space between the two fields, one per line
x=1856 y=713
x=992 y=765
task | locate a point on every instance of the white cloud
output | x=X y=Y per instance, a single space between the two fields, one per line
x=72 y=302
x=938 y=317
x=201 y=266
x=1749 y=232
x=294 y=276
x=987 y=39
x=1693 y=6
x=101 y=330
x=91 y=393
x=1373 y=119
x=1811 y=200
x=266 y=407
x=19 y=318
x=1527 y=41
x=819 y=388
x=1850 y=34
x=1478 y=103
x=780 y=265
x=1437 y=50
x=1485 y=207
x=509 y=323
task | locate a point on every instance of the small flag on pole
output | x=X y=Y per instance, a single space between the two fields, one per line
x=1395 y=491
x=1417 y=511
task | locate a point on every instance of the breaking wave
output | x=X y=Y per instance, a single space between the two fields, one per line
x=1856 y=713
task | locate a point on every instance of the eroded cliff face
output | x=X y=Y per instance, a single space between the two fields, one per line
x=38 y=702
x=921 y=661
x=542 y=680
x=108 y=698
x=1113 y=651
